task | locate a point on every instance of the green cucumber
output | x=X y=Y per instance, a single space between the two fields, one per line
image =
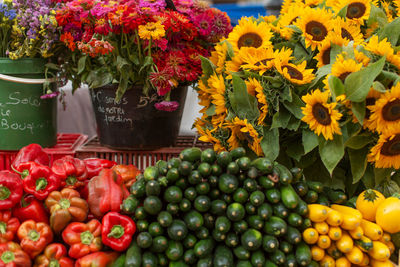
x=216 y=170
x=232 y=240
x=311 y=197
x=336 y=196
x=277 y=257
x=252 y=173
x=142 y=225
x=162 y=259
x=258 y=258
x=264 y=211
x=289 y=197
x=174 y=251
x=297 y=174
x=133 y=256
x=178 y=264
x=194 y=220
x=244 y=163
x=224 y=158
x=263 y=165
x=120 y=262
x=129 y=205
x=202 y=203
x=313 y=264
x=203 y=248
x=223 y=257
x=302 y=208
x=257 y=198
x=138 y=189
x=269 y=263
x=270 y=243
x=140 y=213
x=244 y=264
x=194 y=177
x=323 y=200
x=155 y=229
x=240 y=227
x=162 y=166
x=173 y=208
x=235 y=212
x=151 y=173
x=204 y=169
x=208 y=156
x=295 y=220
x=286 y=247
x=218 y=236
x=172 y=175
x=173 y=194
x=185 y=168
x=202 y=233
x=275 y=226
x=189 y=257
x=301 y=188
x=303 y=254
x=209 y=220
x=205 y=262
x=265 y=182
x=177 y=230
x=293 y=236
x=164 y=218
x=149 y=259
x=240 y=195
x=285 y=176
x=174 y=163
x=144 y=240
x=241 y=253
x=190 y=193
x=153 y=188
x=280 y=210
x=232 y=168
x=192 y=154
x=290 y=261
x=223 y=224
x=185 y=205
x=273 y=195
x=251 y=239
x=228 y=183
x=250 y=185
x=203 y=188
x=152 y=205
x=160 y=244
x=250 y=209
x=315 y=186
x=237 y=153
x=255 y=222
x=189 y=241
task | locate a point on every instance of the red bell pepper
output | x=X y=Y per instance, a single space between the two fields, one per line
x=97 y=259
x=30 y=209
x=11 y=255
x=32 y=152
x=34 y=237
x=95 y=165
x=10 y=189
x=83 y=238
x=8 y=226
x=24 y=168
x=72 y=171
x=55 y=255
x=40 y=181
x=128 y=173
x=117 y=231
x=106 y=192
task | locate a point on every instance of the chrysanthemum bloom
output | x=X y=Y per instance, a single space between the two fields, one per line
x=385 y=114
x=386 y=153
x=152 y=30
x=321 y=116
x=167 y=106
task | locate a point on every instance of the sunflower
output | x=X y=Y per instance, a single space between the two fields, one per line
x=386 y=153
x=315 y=25
x=389 y=13
x=152 y=30
x=249 y=33
x=383 y=48
x=324 y=55
x=370 y=101
x=320 y=115
x=385 y=114
x=397 y=4
x=348 y=30
x=371 y=30
x=217 y=86
x=286 y=5
x=255 y=88
x=344 y=67
x=361 y=58
x=250 y=134
x=297 y=74
x=288 y=18
x=209 y=138
x=218 y=56
x=357 y=10
x=218 y=120
x=257 y=59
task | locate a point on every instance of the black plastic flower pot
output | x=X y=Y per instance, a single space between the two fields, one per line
x=134 y=122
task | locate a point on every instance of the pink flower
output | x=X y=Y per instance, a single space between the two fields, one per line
x=204 y=22
x=51 y=95
x=167 y=106
x=162 y=81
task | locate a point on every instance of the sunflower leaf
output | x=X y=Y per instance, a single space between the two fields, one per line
x=368 y=178
x=358 y=141
x=295 y=150
x=358 y=84
x=381 y=175
x=310 y=141
x=358 y=162
x=295 y=106
x=336 y=86
x=377 y=15
x=321 y=72
x=342 y=13
x=208 y=68
x=331 y=151
x=358 y=108
x=379 y=87
x=391 y=31
x=270 y=143
x=280 y=119
x=244 y=105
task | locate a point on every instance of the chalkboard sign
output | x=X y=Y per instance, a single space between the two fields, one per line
x=133 y=122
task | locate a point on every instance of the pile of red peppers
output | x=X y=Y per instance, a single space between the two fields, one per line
x=63 y=214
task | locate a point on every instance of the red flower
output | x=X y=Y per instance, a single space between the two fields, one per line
x=131 y=20
x=68 y=39
x=162 y=80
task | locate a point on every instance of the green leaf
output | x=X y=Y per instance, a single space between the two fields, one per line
x=359 y=111
x=211 y=110
x=82 y=64
x=358 y=162
x=280 y=119
x=391 y=31
x=208 y=68
x=293 y=124
x=377 y=15
x=388 y=188
x=381 y=174
x=122 y=87
x=335 y=50
x=270 y=143
x=295 y=106
x=379 y=87
x=318 y=172
x=310 y=141
x=359 y=141
x=358 y=84
x=321 y=73
x=342 y=13
x=295 y=150
x=244 y=105
x=122 y=64
x=369 y=178
x=331 y=151
x=336 y=86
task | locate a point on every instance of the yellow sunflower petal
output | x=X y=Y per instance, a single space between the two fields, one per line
x=386 y=153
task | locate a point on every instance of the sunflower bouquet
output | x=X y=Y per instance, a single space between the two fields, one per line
x=138 y=42
x=317 y=87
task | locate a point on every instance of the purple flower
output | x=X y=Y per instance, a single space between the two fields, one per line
x=51 y=95
x=154 y=5
x=167 y=106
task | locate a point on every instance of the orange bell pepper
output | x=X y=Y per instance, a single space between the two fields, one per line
x=8 y=226
x=12 y=255
x=83 y=238
x=34 y=237
x=97 y=259
x=54 y=255
x=128 y=173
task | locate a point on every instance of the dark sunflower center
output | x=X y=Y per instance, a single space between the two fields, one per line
x=250 y=39
x=326 y=56
x=321 y=114
x=355 y=10
x=317 y=30
x=391 y=147
x=293 y=72
x=391 y=111
x=262 y=62
x=344 y=75
x=346 y=34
